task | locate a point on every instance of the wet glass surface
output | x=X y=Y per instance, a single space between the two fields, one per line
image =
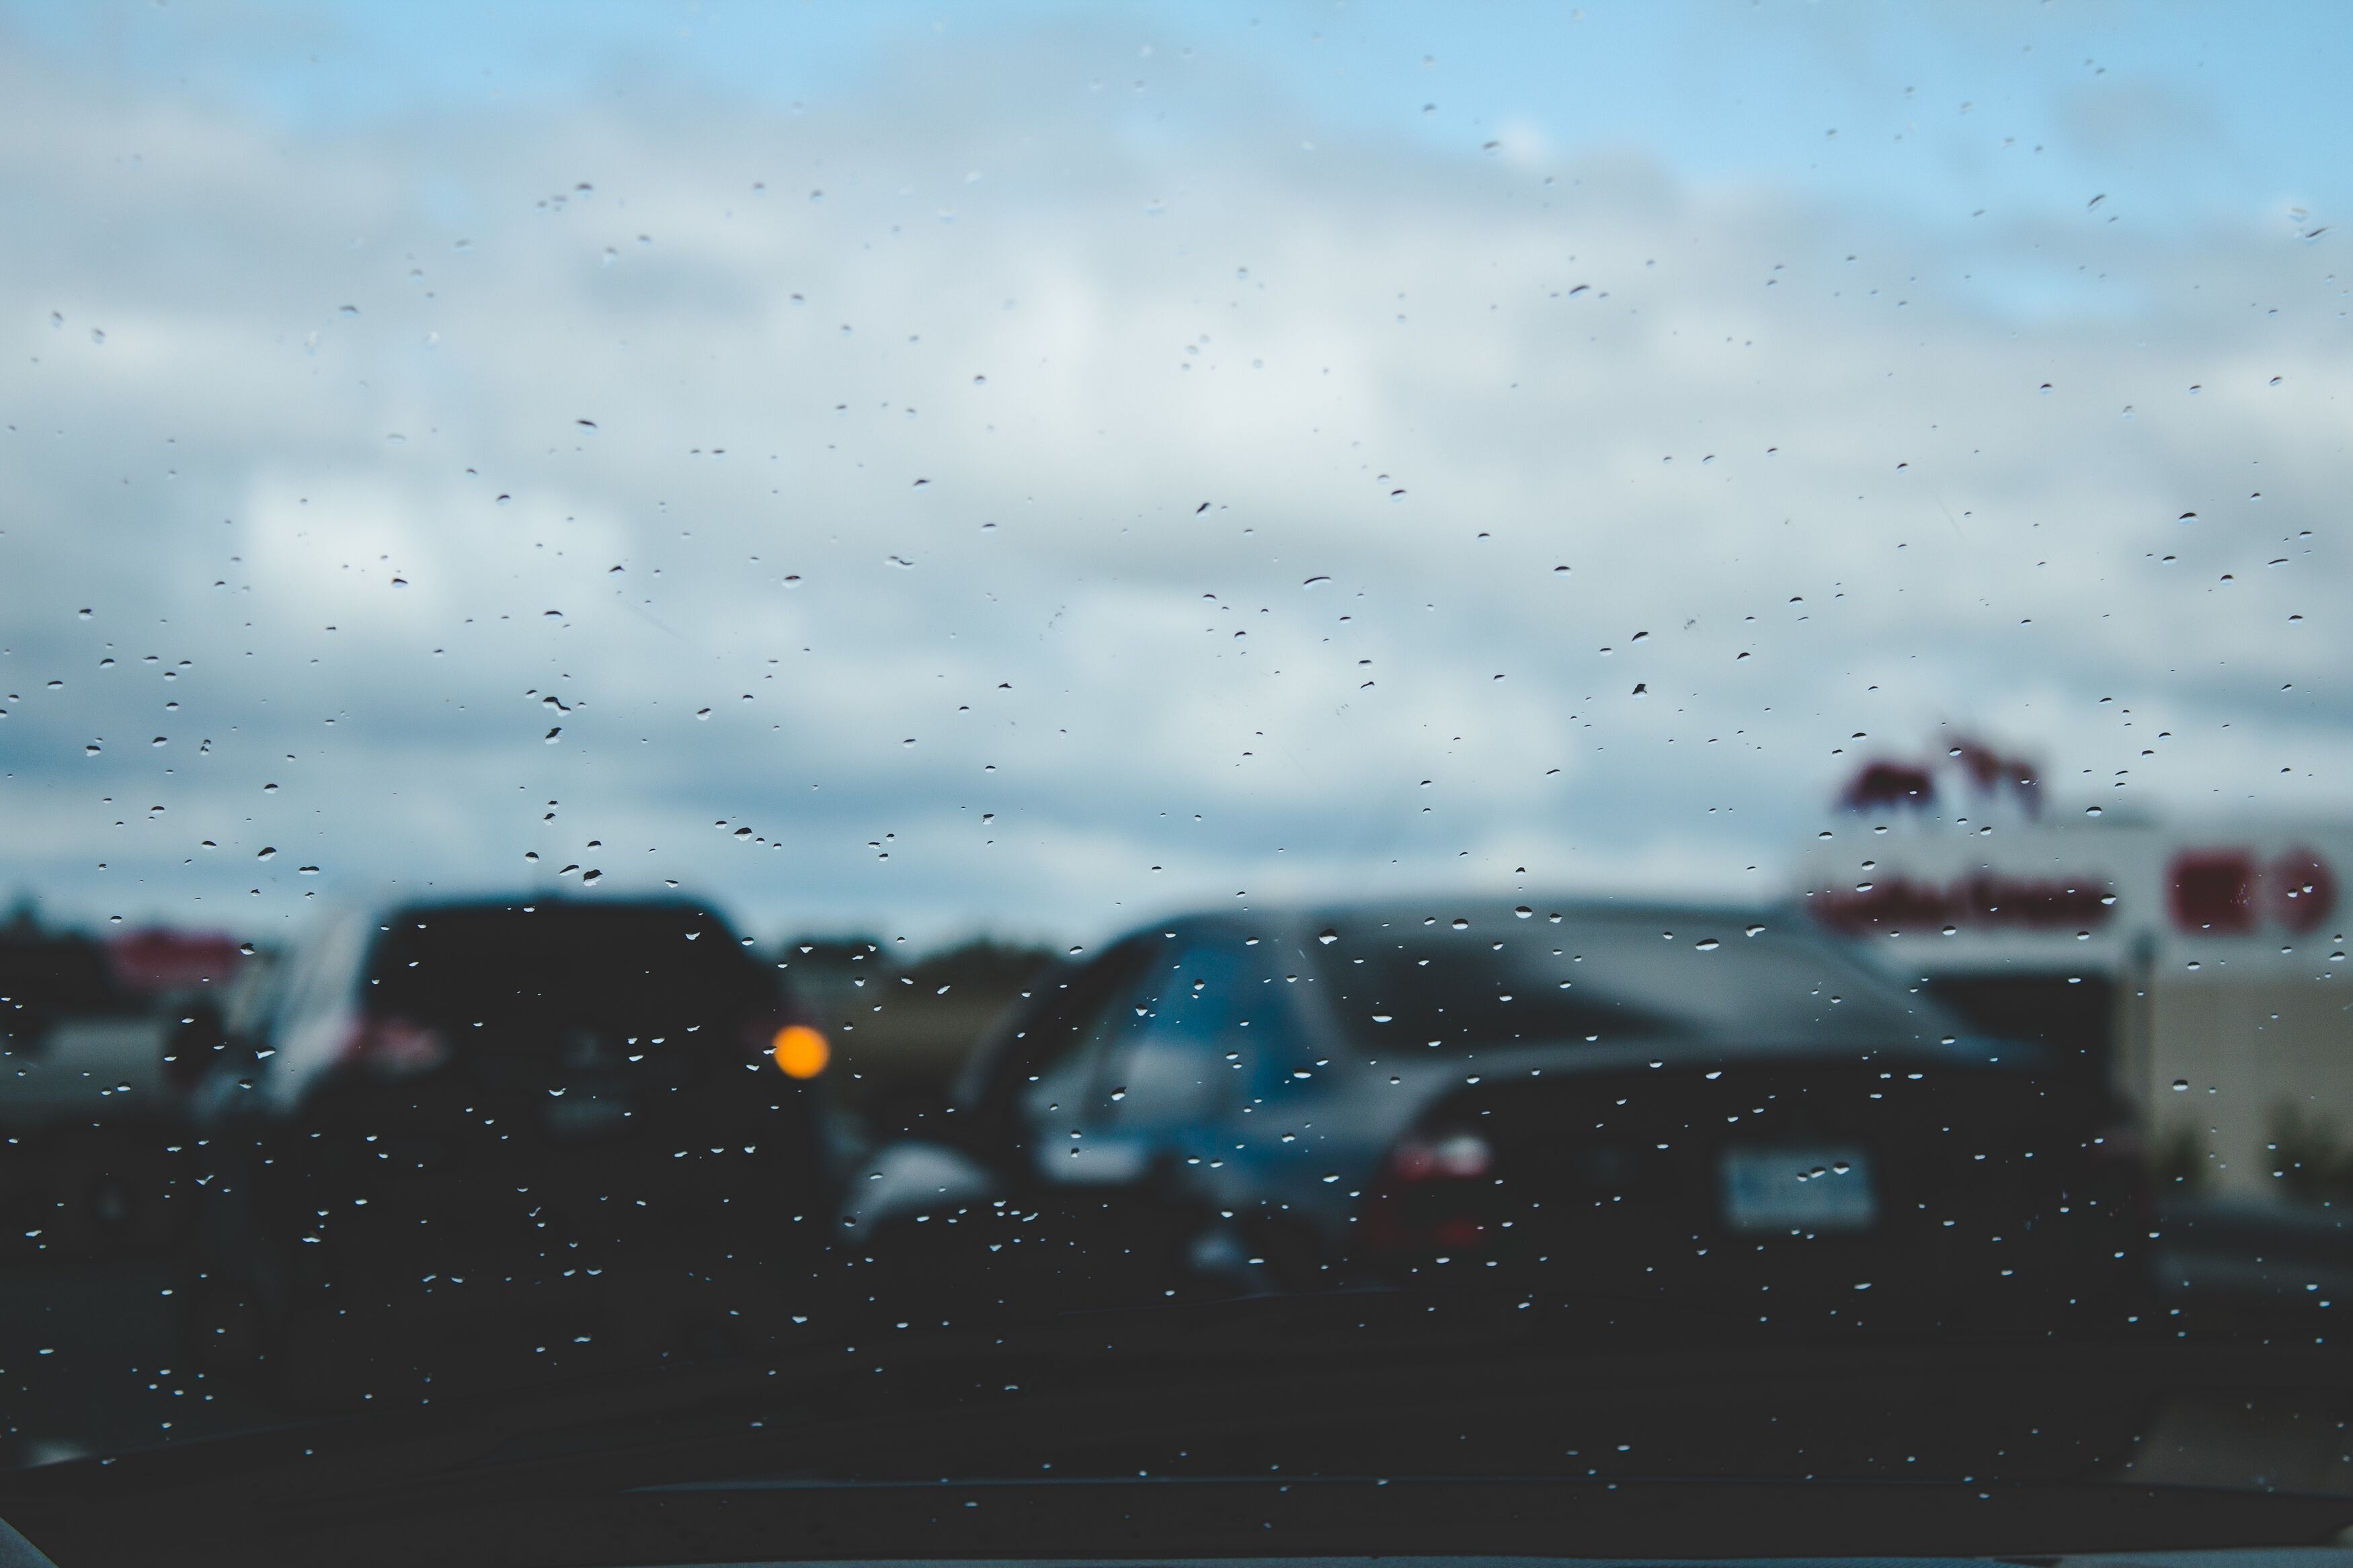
x=917 y=745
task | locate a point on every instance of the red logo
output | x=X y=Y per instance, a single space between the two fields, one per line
x=2230 y=892
x=1988 y=901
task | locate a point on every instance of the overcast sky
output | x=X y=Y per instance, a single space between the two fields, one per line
x=931 y=468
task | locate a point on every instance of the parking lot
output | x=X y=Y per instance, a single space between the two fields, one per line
x=557 y=1138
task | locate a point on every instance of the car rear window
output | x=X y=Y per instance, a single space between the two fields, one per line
x=1457 y=983
x=41 y=979
x=611 y=969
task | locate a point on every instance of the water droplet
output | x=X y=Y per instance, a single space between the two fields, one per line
x=1327 y=936
x=1708 y=944
x=1461 y=925
x=1523 y=911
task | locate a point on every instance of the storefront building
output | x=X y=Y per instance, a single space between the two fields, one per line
x=2197 y=967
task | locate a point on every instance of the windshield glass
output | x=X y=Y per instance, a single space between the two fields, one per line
x=1600 y=744
x=558 y=967
x=1458 y=984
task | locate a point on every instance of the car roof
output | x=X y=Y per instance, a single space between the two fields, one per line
x=1588 y=910
x=536 y=902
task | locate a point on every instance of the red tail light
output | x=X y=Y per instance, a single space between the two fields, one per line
x=1436 y=1195
x=394 y=1047
x=1459 y=1157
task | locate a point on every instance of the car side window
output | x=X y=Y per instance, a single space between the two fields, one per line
x=1167 y=1062
x=1278 y=1057
x=1042 y=1063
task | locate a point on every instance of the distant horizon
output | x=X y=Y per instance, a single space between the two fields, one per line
x=1790 y=892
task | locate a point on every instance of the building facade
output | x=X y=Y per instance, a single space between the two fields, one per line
x=2198 y=968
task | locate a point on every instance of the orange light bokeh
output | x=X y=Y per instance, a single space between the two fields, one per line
x=800 y=1051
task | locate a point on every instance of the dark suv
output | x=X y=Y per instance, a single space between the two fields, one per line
x=568 y=1122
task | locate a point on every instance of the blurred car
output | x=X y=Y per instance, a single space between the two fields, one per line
x=88 y=1099
x=565 y=1119
x=1592 y=1099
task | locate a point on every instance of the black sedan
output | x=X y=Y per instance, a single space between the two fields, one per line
x=1600 y=1099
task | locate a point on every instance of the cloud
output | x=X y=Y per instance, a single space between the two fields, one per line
x=937 y=502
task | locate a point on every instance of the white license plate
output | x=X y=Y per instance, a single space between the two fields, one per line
x=1798 y=1189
